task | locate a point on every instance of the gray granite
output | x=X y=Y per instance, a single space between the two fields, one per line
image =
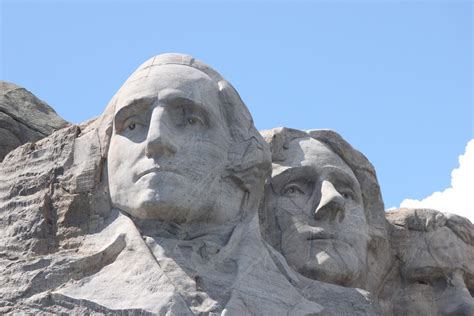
x=24 y=118
x=172 y=203
x=324 y=213
x=109 y=218
x=433 y=271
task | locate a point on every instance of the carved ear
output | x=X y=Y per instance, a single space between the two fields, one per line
x=249 y=163
x=249 y=155
x=105 y=126
x=236 y=113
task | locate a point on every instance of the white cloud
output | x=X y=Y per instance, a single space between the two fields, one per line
x=459 y=198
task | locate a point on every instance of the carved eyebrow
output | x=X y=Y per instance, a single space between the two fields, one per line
x=292 y=174
x=339 y=175
x=179 y=97
x=187 y=103
x=141 y=105
x=135 y=106
x=183 y=101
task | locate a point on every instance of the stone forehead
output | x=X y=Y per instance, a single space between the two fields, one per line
x=307 y=151
x=436 y=249
x=168 y=79
x=310 y=149
x=188 y=73
x=428 y=220
x=293 y=148
x=151 y=68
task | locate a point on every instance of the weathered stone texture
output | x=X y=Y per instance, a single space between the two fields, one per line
x=432 y=264
x=47 y=198
x=24 y=118
x=172 y=203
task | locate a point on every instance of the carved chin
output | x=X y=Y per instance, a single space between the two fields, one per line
x=158 y=203
x=160 y=210
x=341 y=271
x=329 y=260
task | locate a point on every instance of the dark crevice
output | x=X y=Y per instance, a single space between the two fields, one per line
x=22 y=122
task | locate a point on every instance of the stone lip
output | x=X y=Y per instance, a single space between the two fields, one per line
x=24 y=118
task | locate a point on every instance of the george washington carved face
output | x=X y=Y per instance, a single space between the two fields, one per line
x=181 y=146
x=169 y=145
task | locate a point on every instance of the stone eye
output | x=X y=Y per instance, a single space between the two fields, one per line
x=131 y=126
x=347 y=196
x=194 y=121
x=292 y=190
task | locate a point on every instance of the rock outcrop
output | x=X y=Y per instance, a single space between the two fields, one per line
x=172 y=203
x=24 y=118
x=80 y=232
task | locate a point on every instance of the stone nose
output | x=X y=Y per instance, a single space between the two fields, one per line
x=331 y=204
x=159 y=140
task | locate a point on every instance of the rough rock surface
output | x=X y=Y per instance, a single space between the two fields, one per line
x=433 y=264
x=47 y=196
x=68 y=245
x=24 y=118
x=171 y=203
x=323 y=209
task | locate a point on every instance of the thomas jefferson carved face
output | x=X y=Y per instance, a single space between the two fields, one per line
x=169 y=146
x=319 y=209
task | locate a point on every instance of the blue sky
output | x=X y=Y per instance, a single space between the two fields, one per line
x=394 y=78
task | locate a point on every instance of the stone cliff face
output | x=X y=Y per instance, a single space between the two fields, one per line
x=24 y=118
x=309 y=238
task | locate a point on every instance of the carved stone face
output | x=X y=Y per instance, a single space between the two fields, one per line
x=437 y=276
x=319 y=209
x=169 y=146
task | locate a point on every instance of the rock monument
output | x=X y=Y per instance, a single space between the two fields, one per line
x=152 y=208
x=172 y=203
x=324 y=213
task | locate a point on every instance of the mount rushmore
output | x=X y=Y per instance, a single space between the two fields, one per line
x=172 y=203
